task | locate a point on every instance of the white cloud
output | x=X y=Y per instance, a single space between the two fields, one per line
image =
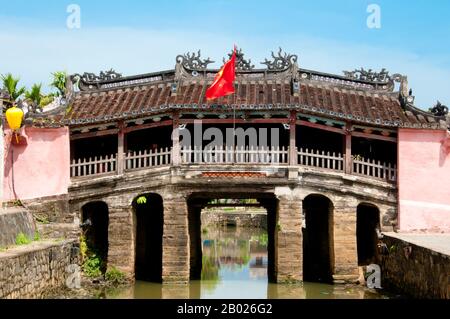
x=34 y=53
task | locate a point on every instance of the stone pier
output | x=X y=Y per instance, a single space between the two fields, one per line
x=289 y=240
x=176 y=268
x=345 y=246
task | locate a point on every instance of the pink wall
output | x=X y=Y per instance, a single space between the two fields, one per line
x=41 y=168
x=424 y=180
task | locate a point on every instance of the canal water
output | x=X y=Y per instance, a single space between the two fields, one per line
x=235 y=267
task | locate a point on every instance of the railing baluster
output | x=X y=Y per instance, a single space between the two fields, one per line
x=167 y=161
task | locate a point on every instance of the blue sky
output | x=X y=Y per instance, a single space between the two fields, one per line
x=142 y=36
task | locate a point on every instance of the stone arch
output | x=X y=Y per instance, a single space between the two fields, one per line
x=148 y=220
x=95 y=223
x=367 y=225
x=318 y=244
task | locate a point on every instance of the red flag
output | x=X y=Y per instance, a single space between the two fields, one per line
x=224 y=81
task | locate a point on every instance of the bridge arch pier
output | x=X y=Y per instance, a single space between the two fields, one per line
x=283 y=199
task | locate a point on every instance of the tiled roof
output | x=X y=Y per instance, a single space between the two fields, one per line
x=110 y=97
x=376 y=108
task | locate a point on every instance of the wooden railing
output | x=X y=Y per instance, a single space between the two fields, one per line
x=321 y=159
x=240 y=155
x=148 y=158
x=227 y=155
x=97 y=165
x=377 y=169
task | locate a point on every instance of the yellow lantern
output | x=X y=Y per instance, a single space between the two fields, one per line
x=14 y=116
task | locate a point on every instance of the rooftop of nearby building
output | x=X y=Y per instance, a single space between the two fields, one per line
x=361 y=96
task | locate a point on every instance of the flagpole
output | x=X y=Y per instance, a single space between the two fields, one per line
x=234 y=126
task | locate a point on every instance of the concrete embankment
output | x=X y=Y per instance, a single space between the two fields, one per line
x=417 y=265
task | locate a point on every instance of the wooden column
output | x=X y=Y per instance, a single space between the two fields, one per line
x=176 y=149
x=292 y=139
x=121 y=148
x=348 y=148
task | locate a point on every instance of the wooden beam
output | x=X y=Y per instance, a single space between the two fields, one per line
x=292 y=139
x=342 y=131
x=237 y=121
x=120 y=149
x=79 y=136
x=321 y=127
x=348 y=149
x=375 y=137
x=148 y=125
x=176 y=149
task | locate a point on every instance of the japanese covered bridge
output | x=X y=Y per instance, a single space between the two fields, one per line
x=320 y=152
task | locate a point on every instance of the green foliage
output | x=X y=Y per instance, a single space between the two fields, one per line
x=279 y=226
x=35 y=95
x=46 y=100
x=141 y=200
x=83 y=247
x=37 y=236
x=92 y=266
x=59 y=82
x=205 y=231
x=115 y=276
x=10 y=85
x=22 y=239
x=357 y=157
x=41 y=219
x=263 y=239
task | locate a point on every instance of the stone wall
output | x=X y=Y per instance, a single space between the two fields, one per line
x=27 y=271
x=414 y=270
x=14 y=221
x=238 y=219
x=53 y=217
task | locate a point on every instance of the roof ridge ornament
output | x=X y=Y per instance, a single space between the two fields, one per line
x=102 y=77
x=369 y=75
x=281 y=61
x=241 y=63
x=439 y=109
x=193 y=62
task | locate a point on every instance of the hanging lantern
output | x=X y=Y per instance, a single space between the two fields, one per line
x=14 y=116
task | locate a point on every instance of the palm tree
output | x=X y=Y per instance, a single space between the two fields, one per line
x=34 y=95
x=10 y=85
x=59 y=82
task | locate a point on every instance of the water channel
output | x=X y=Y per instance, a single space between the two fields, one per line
x=235 y=267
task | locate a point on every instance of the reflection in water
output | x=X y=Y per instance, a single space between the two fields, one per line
x=235 y=266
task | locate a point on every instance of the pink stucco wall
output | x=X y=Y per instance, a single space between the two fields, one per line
x=39 y=169
x=424 y=180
